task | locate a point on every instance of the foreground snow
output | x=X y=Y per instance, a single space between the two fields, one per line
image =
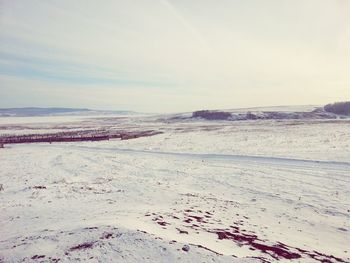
x=143 y=200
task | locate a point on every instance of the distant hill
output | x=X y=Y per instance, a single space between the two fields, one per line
x=331 y=111
x=342 y=108
x=36 y=111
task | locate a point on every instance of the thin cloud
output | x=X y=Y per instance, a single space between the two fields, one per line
x=194 y=54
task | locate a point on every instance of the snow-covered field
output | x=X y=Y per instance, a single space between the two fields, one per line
x=203 y=191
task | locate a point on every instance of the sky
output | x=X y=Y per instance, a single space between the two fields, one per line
x=173 y=55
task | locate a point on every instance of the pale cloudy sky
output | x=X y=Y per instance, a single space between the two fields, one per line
x=173 y=55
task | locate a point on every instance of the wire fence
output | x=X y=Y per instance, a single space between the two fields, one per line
x=74 y=136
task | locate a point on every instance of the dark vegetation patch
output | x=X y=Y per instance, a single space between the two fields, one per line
x=276 y=251
x=106 y=236
x=38 y=256
x=199 y=220
x=182 y=231
x=76 y=136
x=91 y=228
x=39 y=187
x=86 y=245
x=160 y=221
x=212 y=115
x=186 y=248
x=342 y=108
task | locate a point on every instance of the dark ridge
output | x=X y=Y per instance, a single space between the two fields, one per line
x=264 y=115
x=212 y=115
x=330 y=111
x=342 y=108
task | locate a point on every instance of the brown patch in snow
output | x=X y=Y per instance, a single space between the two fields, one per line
x=106 y=236
x=38 y=256
x=86 y=245
x=182 y=231
x=276 y=250
x=241 y=237
x=39 y=187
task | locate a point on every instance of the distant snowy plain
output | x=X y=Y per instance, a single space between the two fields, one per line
x=203 y=191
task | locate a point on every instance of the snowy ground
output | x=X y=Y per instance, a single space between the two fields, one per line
x=253 y=191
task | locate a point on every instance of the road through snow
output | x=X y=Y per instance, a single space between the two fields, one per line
x=263 y=160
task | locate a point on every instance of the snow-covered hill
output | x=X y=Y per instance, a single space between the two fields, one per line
x=35 y=111
x=263 y=190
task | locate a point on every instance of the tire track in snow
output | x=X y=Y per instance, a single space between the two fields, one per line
x=251 y=159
